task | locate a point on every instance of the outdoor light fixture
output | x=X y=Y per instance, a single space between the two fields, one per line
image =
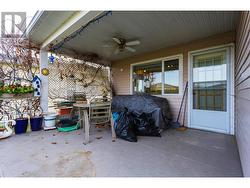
x=139 y=72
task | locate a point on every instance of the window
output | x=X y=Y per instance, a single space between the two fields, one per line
x=210 y=81
x=171 y=76
x=148 y=78
x=157 y=77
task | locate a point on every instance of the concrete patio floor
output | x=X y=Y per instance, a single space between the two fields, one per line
x=190 y=153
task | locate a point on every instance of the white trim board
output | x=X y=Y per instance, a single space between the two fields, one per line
x=230 y=48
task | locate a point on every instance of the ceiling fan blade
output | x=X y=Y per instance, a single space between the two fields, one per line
x=117 y=40
x=117 y=51
x=133 y=43
x=130 y=49
x=107 y=45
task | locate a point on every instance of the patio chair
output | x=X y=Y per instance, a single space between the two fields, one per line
x=100 y=113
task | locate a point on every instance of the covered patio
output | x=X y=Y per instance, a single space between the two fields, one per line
x=133 y=47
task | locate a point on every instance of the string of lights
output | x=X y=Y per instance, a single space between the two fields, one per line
x=58 y=46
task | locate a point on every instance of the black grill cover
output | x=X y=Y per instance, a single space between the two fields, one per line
x=157 y=106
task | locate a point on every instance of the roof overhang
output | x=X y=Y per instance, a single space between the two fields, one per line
x=50 y=27
x=155 y=30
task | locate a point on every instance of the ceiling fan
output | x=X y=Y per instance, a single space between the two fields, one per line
x=122 y=44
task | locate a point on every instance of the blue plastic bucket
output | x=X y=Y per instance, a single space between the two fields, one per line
x=21 y=126
x=36 y=123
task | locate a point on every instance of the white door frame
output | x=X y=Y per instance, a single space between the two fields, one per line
x=230 y=47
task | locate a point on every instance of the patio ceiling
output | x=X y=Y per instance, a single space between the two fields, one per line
x=154 y=29
x=39 y=32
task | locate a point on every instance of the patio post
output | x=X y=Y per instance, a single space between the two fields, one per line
x=45 y=84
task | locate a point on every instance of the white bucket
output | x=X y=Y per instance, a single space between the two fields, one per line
x=50 y=120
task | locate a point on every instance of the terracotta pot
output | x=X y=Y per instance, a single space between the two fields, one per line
x=64 y=111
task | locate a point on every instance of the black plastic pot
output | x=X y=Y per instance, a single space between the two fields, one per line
x=36 y=123
x=21 y=125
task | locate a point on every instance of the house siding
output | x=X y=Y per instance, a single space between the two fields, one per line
x=242 y=91
x=121 y=68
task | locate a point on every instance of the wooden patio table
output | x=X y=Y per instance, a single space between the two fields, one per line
x=83 y=116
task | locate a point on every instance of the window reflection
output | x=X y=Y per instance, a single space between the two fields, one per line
x=209 y=81
x=147 y=78
x=171 y=76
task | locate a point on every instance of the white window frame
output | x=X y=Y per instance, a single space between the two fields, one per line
x=163 y=59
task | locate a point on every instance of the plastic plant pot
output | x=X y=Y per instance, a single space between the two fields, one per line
x=65 y=111
x=36 y=123
x=21 y=125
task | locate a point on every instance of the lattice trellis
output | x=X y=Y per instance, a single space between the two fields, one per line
x=13 y=108
x=19 y=63
x=69 y=75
